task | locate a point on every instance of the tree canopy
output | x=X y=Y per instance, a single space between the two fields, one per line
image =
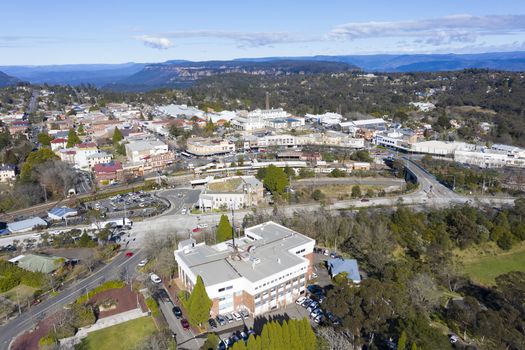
x=72 y=138
x=198 y=304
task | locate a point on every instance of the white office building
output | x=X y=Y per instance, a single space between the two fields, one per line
x=265 y=269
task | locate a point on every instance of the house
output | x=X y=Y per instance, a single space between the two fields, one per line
x=58 y=143
x=265 y=269
x=98 y=158
x=236 y=192
x=39 y=262
x=348 y=266
x=26 y=225
x=61 y=213
x=7 y=173
x=108 y=173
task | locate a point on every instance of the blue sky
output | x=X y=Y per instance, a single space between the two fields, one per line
x=114 y=31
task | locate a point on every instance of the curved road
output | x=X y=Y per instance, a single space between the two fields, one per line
x=29 y=319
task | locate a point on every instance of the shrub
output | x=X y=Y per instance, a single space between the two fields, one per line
x=48 y=342
x=82 y=316
x=153 y=306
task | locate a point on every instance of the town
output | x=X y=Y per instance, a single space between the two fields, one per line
x=303 y=201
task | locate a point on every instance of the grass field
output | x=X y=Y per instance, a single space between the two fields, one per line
x=485 y=269
x=120 y=337
x=20 y=293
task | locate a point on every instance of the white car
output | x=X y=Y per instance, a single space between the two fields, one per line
x=236 y=316
x=143 y=262
x=314 y=275
x=300 y=300
x=202 y=225
x=155 y=279
x=183 y=211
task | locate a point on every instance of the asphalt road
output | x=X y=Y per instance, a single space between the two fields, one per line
x=29 y=319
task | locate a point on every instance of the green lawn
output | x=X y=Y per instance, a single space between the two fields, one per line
x=485 y=269
x=19 y=293
x=120 y=337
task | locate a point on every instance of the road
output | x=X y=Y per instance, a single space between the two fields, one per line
x=28 y=320
x=352 y=180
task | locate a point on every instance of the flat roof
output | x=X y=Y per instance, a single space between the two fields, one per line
x=266 y=255
x=26 y=224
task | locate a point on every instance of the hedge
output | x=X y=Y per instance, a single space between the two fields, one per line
x=82 y=316
x=153 y=306
x=47 y=342
x=12 y=275
x=115 y=284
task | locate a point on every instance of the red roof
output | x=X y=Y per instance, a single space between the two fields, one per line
x=59 y=140
x=108 y=168
x=87 y=145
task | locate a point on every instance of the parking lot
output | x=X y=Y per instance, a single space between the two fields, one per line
x=131 y=204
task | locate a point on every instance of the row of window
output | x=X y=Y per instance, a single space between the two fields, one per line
x=225 y=288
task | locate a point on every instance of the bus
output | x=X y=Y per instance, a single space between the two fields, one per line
x=187 y=155
x=115 y=223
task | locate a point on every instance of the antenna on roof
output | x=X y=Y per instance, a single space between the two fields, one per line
x=233 y=229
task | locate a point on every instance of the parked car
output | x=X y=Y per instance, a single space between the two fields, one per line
x=177 y=311
x=155 y=278
x=365 y=200
x=244 y=336
x=245 y=314
x=221 y=320
x=202 y=225
x=212 y=323
x=314 y=275
x=185 y=324
x=306 y=302
x=300 y=300
x=236 y=316
x=196 y=229
x=318 y=319
x=229 y=318
x=143 y=262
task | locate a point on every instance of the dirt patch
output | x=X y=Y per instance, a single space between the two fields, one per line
x=29 y=340
x=125 y=300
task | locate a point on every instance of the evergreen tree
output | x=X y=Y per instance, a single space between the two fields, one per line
x=309 y=339
x=72 y=138
x=117 y=136
x=265 y=337
x=402 y=342
x=252 y=343
x=44 y=139
x=239 y=346
x=199 y=304
x=356 y=191
x=275 y=180
x=414 y=346
x=224 y=230
x=84 y=240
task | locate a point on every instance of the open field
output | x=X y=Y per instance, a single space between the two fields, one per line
x=484 y=269
x=113 y=338
x=19 y=293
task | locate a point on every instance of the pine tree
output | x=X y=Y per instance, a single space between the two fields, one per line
x=224 y=230
x=199 y=304
x=239 y=346
x=310 y=339
x=414 y=346
x=252 y=343
x=72 y=138
x=117 y=136
x=286 y=330
x=402 y=342
x=265 y=337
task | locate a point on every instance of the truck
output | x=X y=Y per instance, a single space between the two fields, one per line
x=114 y=223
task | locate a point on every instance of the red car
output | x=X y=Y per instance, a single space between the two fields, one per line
x=185 y=324
x=129 y=254
x=196 y=229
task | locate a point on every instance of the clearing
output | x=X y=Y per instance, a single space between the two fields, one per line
x=19 y=293
x=112 y=338
x=484 y=269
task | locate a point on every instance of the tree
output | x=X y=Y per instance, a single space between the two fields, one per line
x=44 y=139
x=361 y=156
x=34 y=159
x=317 y=195
x=275 y=180
x=72 y=138
x=198 y=304
x=211 y=343
x=224 y=229
x=402 y=342
x=337 y=173
x=356 y=191
x=117 y=136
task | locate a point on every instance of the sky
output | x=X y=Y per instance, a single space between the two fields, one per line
x=35 y=32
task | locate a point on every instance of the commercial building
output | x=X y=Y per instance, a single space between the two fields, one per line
x=236 y=192
x=206 y=147
x=108 y=173
x=327 y=118
x=7 y=173
x=265 y=269
x=61 y=213
x=489 y=159
x=138 y=150
x=26 y=225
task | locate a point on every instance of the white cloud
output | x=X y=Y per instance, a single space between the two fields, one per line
x=155 y=42
x=434 y=31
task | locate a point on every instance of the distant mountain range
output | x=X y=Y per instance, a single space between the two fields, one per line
x=74 y=74
x=184 y=73
x=181 y=73
x=6 y=80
